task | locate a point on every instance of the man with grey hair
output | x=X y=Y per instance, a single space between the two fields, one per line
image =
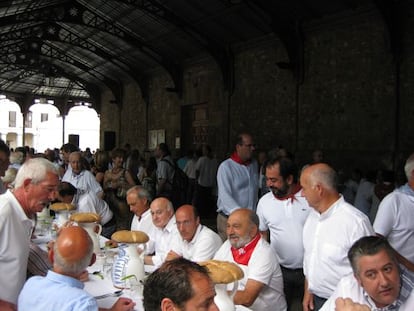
x=377 y=280
x=81 y=178
x=329 y=231
x=395 y=216
x=262 y=285
x=61 y=288
x=35 y=187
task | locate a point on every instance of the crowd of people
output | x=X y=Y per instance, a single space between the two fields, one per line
x=304 y=238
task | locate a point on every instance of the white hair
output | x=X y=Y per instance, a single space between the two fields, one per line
x=409 y=167
x=36 y=170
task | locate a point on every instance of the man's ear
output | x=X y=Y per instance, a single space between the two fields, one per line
x=167 y=304
x=93 y=259
x=27 y=182
x=289 y=180
x=51 y=255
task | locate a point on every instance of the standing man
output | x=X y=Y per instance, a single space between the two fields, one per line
x=377 y=281
x=282 y=213
x=4 y=162
x=35 y=186
x=330 y=230
x=81 y=178
x=237 y=181
x=162 y=212
x=262 y=285
x=61 y=288
x=165 y=171
x=179 y=284
x=195 y=241
x=395 y=215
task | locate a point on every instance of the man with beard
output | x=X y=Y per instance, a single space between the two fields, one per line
x=282 y=213
x=261 y=288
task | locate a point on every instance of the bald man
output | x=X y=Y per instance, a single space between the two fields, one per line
x=162 y=213
x=61 y=289
x=329 y=231
x=195 y=241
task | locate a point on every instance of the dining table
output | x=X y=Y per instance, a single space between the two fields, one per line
x=99 y=281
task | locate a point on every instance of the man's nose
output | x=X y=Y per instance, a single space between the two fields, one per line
x=383 y=279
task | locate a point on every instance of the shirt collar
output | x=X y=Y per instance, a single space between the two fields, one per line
x=194 y=239
x=235 y=157
x=406 y=189
x=60 y=278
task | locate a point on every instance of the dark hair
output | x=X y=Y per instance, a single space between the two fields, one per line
x=368 y=246
x=65 y=188
x=118 y=152
x=69 y=148
x=286 y=167
x=164 y=148
x=4 y=148
x=172 y=280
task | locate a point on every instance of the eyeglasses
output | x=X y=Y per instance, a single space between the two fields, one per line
x=184 y=223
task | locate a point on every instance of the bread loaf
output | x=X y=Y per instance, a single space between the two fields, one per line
x=85 y=217
x=223 y=272
x=60 y=206
x=126 y=236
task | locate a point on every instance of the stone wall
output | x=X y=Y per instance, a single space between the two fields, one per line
x=346 y=105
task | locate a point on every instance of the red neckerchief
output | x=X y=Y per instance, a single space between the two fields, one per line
x=242 y=255
x=291 y=196
x=235 y=157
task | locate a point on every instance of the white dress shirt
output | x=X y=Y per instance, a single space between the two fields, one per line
x=162 y=241
x=203 y=246
x=146 y=225
x=327 y=238
x=90 y=203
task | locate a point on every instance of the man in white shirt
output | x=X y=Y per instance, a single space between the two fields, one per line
x=237 y=181
x=330 y=230
x=88 y=202
x=282 y=213
x=377 y=280
x=395 y=216
x=195 y=241
x=261 y=288
x=162 y=213
x=82 y=179
x=35 y=186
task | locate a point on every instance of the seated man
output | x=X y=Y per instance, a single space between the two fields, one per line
x=61 y=289
x=88 y=202
x=162 y=213
x=179 y=284
x=377 y=280
x=262 y=285
x=195 y=241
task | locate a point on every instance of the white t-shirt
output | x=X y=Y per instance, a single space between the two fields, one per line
x=207 y=168
x=203 y=246
x=285 y=220
x=15 y=232
x=90 y=203
x=327 y=238
x=395 y=221
x=264 y=268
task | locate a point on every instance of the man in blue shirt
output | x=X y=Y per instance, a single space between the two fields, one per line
x=61 y=289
